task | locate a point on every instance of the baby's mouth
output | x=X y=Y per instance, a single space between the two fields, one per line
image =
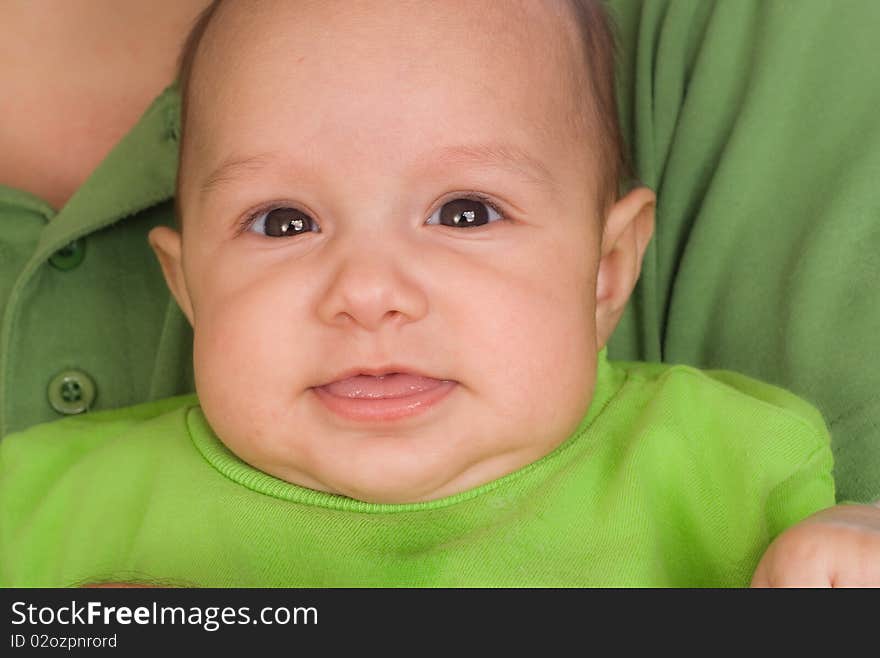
x=392 y=385
x=384 y=397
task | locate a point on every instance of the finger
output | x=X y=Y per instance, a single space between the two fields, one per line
x=791 y=573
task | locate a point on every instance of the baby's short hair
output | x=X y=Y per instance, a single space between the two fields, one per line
x=599 y=51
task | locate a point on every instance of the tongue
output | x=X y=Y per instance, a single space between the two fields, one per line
x=396 y=385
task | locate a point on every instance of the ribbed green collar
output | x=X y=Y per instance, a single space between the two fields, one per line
x=608 y=382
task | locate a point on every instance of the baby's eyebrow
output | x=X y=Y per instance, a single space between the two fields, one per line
x=505 y=156
x=233 y=168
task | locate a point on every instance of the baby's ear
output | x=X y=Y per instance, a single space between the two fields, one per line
x=166 y=243
x=628 y=229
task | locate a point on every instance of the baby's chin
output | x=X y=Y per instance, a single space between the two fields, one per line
x=397 y=479
x=419 y=462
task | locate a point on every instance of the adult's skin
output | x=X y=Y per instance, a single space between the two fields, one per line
x=77 y=75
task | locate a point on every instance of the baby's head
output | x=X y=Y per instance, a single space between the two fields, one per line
x=402 y=240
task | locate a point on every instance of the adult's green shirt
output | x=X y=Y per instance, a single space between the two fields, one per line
x=757 y=122
x=675 y=477
x=82 y=293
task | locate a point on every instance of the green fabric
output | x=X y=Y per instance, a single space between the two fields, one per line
x=110 y=316
x=757 y=123
x=674 y=478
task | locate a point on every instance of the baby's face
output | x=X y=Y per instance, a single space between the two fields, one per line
x=391 y=241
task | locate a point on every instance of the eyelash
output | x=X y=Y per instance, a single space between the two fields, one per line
x=252 y=216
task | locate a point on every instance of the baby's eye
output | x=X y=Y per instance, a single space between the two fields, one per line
x=281 y=222
x=465 y=213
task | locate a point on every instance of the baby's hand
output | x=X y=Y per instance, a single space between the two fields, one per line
x=837 y=547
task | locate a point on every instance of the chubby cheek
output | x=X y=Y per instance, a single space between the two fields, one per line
x=530 y=324
x=249 y=360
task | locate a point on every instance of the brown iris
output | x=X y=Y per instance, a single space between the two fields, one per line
x=287 y=221
x=464 y=212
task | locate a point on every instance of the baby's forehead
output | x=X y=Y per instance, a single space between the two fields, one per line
x=487 y=21
x=313 y=77
x=537 y=42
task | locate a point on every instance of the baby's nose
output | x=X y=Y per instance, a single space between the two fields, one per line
x=372 y=290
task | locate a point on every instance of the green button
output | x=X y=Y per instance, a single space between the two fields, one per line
x=71 y=392
x=70 y=256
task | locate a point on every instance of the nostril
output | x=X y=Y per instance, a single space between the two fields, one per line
x=396 y=318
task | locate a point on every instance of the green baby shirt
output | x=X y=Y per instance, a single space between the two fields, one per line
x=675 y=477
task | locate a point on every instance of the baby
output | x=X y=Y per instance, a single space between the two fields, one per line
x=402 y=251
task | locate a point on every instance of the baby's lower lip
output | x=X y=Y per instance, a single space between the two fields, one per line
x=389 y=397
